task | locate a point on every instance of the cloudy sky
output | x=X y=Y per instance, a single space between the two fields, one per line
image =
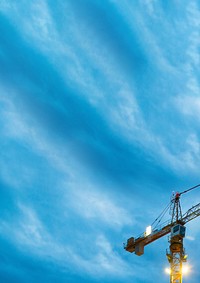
x=99 y=123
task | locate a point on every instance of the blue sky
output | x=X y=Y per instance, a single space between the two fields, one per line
x=99 y=123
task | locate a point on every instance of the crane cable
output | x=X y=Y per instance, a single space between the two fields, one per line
x=160 y=217
x=189 y=189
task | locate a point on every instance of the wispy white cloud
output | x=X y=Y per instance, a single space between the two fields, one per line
x=187 y=102
x=20 y=127
x=150 y=43
x=192 y=230
x=89 y=64
x=193 y=14
x=29 y=233
x=185 y=160
x=123 y=112
x=188 y=105
x=192 y=52
x=35 y=24
x=190 y=238
x=99 y=206
x=105 y=262
x=88 y=203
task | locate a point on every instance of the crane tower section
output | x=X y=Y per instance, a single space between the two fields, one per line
x=176 y=255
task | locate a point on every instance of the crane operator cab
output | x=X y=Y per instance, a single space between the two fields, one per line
x=178 y=230
x=176 y=239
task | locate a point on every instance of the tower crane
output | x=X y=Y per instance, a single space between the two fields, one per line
x=176 y=227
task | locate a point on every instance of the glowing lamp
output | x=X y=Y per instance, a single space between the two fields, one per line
x=148 y=231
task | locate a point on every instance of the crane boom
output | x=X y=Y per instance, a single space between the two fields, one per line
x=137 y=245
x=192 y=213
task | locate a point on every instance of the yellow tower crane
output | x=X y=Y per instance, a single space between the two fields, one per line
x=175 y=226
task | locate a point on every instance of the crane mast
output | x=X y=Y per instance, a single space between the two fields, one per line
x=176 y=253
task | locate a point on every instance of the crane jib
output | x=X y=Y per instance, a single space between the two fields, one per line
x=137 y=245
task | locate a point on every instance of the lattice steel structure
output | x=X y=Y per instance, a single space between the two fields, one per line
x=176 y=254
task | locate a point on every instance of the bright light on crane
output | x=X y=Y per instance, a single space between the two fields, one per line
x=148 y=231
x=167 y=270
x=185 y=269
